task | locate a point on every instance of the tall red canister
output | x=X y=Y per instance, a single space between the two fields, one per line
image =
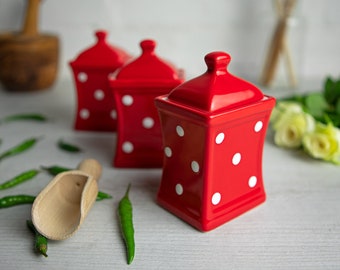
x=137 y=84
x=92 y=68
x=213 y=128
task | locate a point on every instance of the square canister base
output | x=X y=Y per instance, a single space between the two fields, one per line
x=233 y=210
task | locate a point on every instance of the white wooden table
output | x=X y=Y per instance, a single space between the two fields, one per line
x=298 y=227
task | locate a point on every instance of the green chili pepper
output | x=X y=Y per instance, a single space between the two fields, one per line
x=54 y=170
x=68 y=147
x=40 y=241
x=102 y=196
x=26 y=116
x=25 y=145
x=126 y=222
x=25 y=176
x=14 y=200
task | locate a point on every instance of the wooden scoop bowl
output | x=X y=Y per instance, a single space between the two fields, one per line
x=61 y=207
x=28 y=60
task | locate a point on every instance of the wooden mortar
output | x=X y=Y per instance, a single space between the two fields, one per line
x=28 y=60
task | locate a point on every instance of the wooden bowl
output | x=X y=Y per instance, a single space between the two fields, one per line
x=28 y=63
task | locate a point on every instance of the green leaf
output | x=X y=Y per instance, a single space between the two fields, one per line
x=332 y=91
x=337 y=107
x=295 y=98
x=328 y=93
x=335 y=119
x=316 y=104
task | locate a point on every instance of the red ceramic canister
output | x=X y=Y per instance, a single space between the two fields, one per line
x=137 y=84
x=214 y=127
x=92 y=68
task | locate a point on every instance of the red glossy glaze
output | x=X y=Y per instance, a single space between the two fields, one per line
x=213 y=129
x=95 y=104
x=139 y=138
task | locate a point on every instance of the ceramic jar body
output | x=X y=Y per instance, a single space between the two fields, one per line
x=139 y=138
x=92 y=68
x=213 y=129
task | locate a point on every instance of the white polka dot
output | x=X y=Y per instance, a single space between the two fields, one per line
x=168 y=151
x=113 y=114
x=195 y=166
x=258 y=126
x=82 y=76
x=180 y=131
x=111 y=76
x=216 y=198
x=252 y=181
x=127 y=147
x=236 y=159
x=179 y=189
x=84 y=113
x=127 y=100
x=219 y=138
x=148 y=122
x=99 y=94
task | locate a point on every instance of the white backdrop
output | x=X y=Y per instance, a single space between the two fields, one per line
x=186 y=30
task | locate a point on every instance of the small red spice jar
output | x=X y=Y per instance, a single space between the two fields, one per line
x=96 y=110
x=137 y=84
x=214 y=128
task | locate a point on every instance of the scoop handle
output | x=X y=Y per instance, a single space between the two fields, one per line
x=92 y=167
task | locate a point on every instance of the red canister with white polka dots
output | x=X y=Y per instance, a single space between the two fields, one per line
x=213 y=129
x=96 y=110
x=137 y=84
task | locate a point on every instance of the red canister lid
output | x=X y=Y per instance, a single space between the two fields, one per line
x=101 y=55
x=216 y=89
x=148 y=66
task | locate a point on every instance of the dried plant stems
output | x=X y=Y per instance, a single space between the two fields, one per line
x=279 y=45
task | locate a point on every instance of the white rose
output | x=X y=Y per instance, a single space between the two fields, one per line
x=323 y=143
x=290 y=128
x=283 y=107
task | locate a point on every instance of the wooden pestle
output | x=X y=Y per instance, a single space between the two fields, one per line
x=30 y=27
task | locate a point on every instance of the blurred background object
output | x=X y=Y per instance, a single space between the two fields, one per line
x=279 y=47
x=28 y=59
x=187 y=30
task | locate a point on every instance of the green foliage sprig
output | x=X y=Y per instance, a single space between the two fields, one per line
x=324 y=106
x=311 y=122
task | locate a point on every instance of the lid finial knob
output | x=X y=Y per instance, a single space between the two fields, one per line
x=217 y=61
x=101 y=35
x=148 y=46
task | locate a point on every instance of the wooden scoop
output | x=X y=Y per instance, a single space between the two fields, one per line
x=28 y=60
x=61 y=207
